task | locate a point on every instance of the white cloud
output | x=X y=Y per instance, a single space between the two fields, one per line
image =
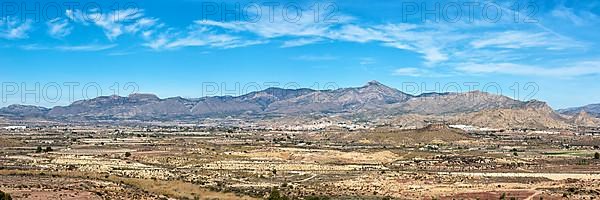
x=417 y=72
x=92 y=47
x=410 y=71
x=199 y=37
x=113 y=22
x=438 y=44
x=33 y=47
x=402 y=36
x=80 y=48
x=316 y=57
x=270 y=29
x=59 y=28
x=141 y=24
x=521 y=39
x=367 y=61
x=566 y=71
x=12 y=29
x=300 y=42
x=354 y=33
x=77 y=16
x=158 y=42
x=579 y=18
x=116 y=23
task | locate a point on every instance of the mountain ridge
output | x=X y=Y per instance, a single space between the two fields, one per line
x=372 y=99
x=590 y=109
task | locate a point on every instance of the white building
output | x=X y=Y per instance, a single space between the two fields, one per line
x=14 y=128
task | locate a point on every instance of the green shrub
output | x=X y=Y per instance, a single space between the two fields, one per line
x=275 y=195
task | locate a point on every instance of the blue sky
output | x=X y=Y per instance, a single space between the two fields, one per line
x=545 y=50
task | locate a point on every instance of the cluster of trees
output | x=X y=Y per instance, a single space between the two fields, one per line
x=40 y=150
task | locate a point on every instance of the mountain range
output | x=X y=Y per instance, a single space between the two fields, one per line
x=373 y=100
x=592 y=109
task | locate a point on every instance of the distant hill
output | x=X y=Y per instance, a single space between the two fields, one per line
x=373 y=100
x=592 y=110
x=23 y=111
x=584 y=119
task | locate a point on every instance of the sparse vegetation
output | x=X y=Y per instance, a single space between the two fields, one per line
x=339 y=164
x=276 y=195
x=323 y=198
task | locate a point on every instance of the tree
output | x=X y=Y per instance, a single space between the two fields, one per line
x=275 y=195
x=597 y=156
x=49 y=149
x=127 y=154
x=5 y=196
x=38 y=150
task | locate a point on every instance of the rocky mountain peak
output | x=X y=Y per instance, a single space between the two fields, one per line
x=377 y=87
x=536 y=104
x=374 y=83
x=584 y=119
x=143 y=97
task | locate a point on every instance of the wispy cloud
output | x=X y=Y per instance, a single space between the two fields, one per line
x=367 y=61
x=578 y=18
x=81 y=48
x=417 y=72
x=436 y=43
x=59 y=28
x=86 y=47
x=522 y=39
x=402 y=36
x=315 y=57
x=199 y=36
x=566 y=71
x=409 y=71
x=300 y=42
x=116 y=23
x=13 y=29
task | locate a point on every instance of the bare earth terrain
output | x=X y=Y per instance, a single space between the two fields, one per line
x=435 y=162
